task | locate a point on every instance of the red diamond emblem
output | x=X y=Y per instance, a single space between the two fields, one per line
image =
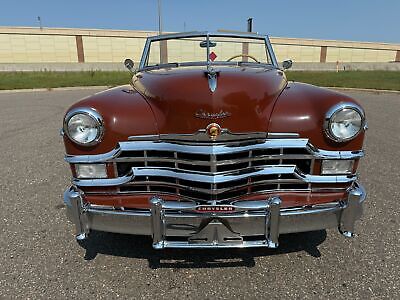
x=212 y=56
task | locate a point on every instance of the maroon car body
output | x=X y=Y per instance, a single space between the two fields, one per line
x=214 y=154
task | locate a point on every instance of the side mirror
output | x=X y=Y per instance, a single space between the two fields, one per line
x=129 y=64
x=287 y=64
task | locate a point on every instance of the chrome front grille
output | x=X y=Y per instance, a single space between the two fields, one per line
x=214 y=163
x=173 y=170
x=192 y=167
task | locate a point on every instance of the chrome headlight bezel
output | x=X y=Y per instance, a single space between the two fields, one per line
x=94 y=115
x=337 y=109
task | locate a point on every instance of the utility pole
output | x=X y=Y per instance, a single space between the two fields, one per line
x=163 y=43
x=250 y=25
x=40 y=22
x=245 y=45
x=159 y=18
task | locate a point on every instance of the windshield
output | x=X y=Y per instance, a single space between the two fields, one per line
x=214 y=50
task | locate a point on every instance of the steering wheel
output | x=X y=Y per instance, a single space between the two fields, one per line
x=243 y=55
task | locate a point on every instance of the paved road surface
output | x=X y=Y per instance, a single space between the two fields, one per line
x=39 y=257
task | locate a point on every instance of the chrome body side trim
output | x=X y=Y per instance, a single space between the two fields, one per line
x=263 y=221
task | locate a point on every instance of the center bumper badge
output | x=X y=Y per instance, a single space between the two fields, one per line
x=213 y=130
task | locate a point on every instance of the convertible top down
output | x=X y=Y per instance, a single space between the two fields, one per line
x=210 y=146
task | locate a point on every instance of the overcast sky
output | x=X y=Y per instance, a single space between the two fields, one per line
x=361 y=20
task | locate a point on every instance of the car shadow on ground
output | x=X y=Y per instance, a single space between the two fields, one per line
x=140 y=247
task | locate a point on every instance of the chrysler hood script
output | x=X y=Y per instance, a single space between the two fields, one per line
x=206 y=115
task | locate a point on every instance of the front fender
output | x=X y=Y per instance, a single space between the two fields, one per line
x=125 y=113
x=301 y=109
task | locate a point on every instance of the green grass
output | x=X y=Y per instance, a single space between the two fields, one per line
x=384 y=80
x=381 y=80
x=30 y=80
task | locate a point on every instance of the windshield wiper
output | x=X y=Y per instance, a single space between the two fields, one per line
x=172 y=64
x=255 y=64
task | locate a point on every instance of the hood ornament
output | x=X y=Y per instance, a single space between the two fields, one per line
x=212 y=79
x=202 y=114
x=213 y=130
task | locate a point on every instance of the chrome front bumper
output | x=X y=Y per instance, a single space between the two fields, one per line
x=174 y=224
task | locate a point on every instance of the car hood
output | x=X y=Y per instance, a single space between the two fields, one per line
x=182 y=102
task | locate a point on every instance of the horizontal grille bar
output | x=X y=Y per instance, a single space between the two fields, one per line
x=238 y=185
x=280 y=171
x=214 y=149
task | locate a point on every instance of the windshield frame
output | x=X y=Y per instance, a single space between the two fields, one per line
x=146 y=51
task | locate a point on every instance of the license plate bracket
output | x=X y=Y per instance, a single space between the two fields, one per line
x=212 y=227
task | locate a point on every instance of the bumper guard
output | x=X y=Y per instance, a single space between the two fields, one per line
x=241 y=224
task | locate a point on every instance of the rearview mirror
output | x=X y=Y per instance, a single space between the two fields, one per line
x=211 y=44
x=129 y=64
x=287 y=64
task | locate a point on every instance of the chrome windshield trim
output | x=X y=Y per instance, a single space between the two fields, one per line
x=213 y=149
x=192 y=34
x=248 y=35
x=270 y=51
x=214 y=64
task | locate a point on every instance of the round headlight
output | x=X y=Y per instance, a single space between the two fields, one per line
x=344 y=122
x=84 y=126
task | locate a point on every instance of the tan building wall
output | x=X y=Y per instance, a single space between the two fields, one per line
x=359 y=55
x=112 y=49
x=57 y=45
x=308 y=50
x=297 y=53
x=37 y=48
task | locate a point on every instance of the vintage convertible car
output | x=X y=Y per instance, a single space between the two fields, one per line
x=210 y=146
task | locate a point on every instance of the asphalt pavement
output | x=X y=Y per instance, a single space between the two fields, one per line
x=39 y=257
